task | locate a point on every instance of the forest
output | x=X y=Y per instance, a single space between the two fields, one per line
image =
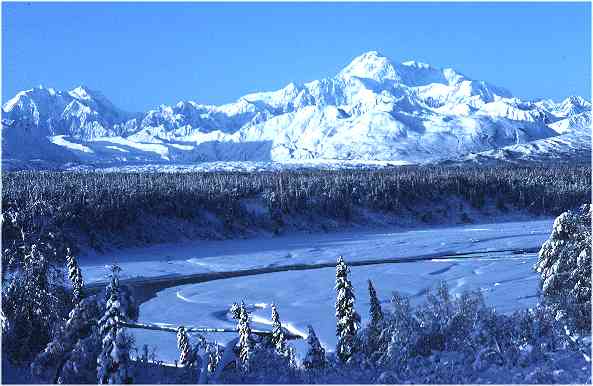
x=95 y=208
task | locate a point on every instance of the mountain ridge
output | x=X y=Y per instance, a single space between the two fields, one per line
x=373 y=109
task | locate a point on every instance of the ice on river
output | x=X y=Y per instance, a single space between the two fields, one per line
x=307 y=297
x=228 y=255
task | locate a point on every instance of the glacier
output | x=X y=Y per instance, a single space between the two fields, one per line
x=373 y=110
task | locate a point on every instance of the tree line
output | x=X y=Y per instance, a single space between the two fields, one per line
x=98 y=203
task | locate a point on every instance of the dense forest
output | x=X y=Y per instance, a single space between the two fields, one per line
x=96 y=207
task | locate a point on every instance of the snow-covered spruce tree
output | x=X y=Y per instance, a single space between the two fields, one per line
x=75 y=276
x=34 y=303
x=565 y=267
x=81 y=366
x=315 y=358
x=375 y=311
x=113 y=362
x=277 y=339
x=246 y=343
x=113 y=287
x=348 y=320
x=235 y=311
x=400 y=333
x=214 y=356
x=372 y=333
x=184 y=347
x=127 y=304
x=47 y=366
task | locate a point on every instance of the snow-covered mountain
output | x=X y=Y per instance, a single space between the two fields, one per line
x=573 y=144
x=374 y=109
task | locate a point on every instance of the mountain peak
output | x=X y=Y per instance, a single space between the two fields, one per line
x=371 y=65
x=413 y=63
x=95 y=98
x=576 y=100
x=372 y=54
x=81 y=92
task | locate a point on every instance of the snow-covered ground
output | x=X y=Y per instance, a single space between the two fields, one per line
x=506 y=280
x=215 y=255
x=239 y=166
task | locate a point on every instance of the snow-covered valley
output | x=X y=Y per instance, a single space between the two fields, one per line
x=306 y=296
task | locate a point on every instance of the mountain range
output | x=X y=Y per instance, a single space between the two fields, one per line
x=373 y=109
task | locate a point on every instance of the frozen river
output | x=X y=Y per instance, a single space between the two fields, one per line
x=307 y=296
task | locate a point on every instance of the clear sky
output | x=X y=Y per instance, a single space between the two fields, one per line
x=143 y=55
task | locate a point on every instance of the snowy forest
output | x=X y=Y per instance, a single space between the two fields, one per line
x=58 y=328
x=103 y=208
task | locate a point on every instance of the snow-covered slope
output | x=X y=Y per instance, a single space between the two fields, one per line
x=573 y=144
x=374 y=109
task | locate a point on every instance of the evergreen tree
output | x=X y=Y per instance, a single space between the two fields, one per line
x=246 y=343
x=75 y=276
x=375 y=312
x=48 y=365
x=214 y=357
x=113 y=286
x=316 y=354
x=81 y=366
x=375 y=326
x=184 y=348
x=113 y=362
x=278 y=339
x=235 y=311
x=348 y=320
x=34 y=304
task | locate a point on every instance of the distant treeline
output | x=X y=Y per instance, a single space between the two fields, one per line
x=97 y=201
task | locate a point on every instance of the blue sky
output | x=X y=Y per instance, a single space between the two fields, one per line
x=142 y=55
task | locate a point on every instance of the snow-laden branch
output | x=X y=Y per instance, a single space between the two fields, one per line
x=173 y=329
